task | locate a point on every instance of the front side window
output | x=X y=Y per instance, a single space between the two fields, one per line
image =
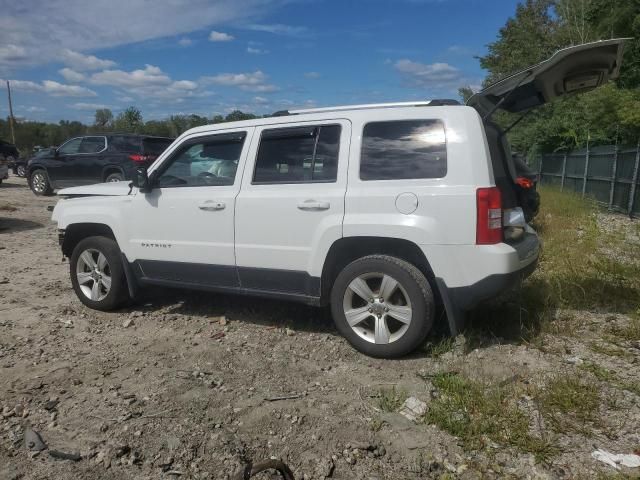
x=71 y=147
x=211 y=161
x=403 y=149
x=298 y=155
x=92 y=145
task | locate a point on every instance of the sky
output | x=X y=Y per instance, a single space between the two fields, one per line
x=67 y=58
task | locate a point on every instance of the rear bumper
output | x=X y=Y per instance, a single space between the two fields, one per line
x=465 y=298
x=481 y=273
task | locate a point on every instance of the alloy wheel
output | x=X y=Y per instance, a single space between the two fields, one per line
x=93 y=274
x=377 y=308
x=39 y=182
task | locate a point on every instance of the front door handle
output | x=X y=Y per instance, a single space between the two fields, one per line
x=313 y=205
x=211 y=206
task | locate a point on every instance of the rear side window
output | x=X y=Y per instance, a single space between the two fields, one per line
x=125 y=144
x=298 y=155
x=92 y=144
x=403 y=149
x=155 y=146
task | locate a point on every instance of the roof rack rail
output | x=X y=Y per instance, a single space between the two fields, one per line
x=427 y=103
x=281 y=113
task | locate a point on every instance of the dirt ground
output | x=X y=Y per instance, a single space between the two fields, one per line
x=184 y=384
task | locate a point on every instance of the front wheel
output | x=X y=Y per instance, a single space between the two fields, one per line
x=382 y=305
x=39 y=183
x=97 y=274
x=20 y=171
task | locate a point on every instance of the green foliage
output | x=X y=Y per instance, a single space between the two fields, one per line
x=540 y=27
x=391 y=399
x=103 y=118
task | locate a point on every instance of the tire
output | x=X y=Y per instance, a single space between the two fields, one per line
x=114 y=177
x=411 y=300
x=21 y=171
x=39 y=182
x=89 y=284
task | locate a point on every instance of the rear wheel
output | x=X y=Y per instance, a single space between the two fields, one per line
x=382 y=305
x=39 y=183
x=114 y=177
x=97 y=274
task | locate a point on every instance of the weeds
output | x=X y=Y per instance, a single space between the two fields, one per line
x=473 y=411
x=609 y=350
x=391 y=399
x=440 y=347
x=629 y=332
x=570 y=403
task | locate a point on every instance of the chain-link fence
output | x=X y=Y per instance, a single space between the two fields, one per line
x=606 y=173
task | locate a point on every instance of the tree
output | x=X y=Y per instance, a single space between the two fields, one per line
x=465 y=93
x=130 y=120
x=527 y=38
x=103 y=117
x=238 y=115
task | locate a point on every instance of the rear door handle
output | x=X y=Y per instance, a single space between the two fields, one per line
x=211 y=206
x=313 y=205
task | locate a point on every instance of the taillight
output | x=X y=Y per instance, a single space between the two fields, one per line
x=524 y=182
x=489 y=220
x=142 y=158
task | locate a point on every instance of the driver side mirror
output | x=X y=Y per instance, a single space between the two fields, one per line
x=141 y=180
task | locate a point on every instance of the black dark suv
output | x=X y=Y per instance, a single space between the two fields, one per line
x=93 y=159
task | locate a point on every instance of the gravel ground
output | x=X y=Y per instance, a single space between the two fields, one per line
x=184 y=384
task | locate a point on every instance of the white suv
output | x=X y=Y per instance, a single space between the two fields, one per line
x=384 y=212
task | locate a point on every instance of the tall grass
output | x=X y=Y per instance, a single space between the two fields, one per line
x=579 y=268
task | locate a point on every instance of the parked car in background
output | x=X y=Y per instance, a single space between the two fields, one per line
x=8 y=154
x=19 y=166
x=526 y=188
x=93 y=159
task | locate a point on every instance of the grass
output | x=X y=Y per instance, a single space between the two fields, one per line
x=629 y=332
x=573 y=273
x=474 y=412
x=440 y=347
x=609 y=350
x=391 y=399
x=598 y=371
x=570 y=403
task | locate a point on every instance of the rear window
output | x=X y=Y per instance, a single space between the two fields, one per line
x=403 y=149
x=155 y=146
x=127 y=144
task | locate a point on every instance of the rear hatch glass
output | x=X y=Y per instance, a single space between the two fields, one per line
x=153 y=147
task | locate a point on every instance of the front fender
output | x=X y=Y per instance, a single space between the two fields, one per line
x=108 y=211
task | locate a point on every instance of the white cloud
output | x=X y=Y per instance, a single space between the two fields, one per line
x=312 y=75
x=35 y=32
x=439 y=75
x=280 y=29
x=148 y=83
x=71 y=75
x=256 y=51
x=81 y=62
x=34 y=109
x=252 y=82
x=185 y=42
x=150 y=75
x=52 y=88
x=220 y=37
x=89 y=106
x=260 y=100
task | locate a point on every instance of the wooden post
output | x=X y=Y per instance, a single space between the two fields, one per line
x=586 y=169
x=13 y=135
x=634 y=182
x=614 y=170
x=564 y=172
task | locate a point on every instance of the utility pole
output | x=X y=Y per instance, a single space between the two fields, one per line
x=13 y=134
